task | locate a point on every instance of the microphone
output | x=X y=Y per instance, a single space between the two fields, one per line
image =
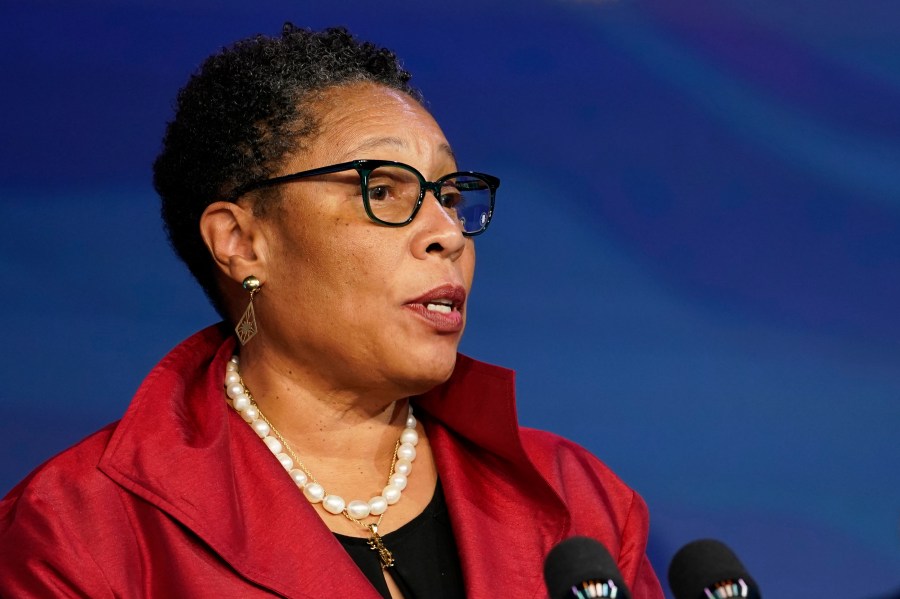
x=582 y=567
x=708 y=569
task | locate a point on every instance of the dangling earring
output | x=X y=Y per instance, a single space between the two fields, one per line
x=246 y=327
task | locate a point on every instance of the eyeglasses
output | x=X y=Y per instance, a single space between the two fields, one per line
x=393 y=192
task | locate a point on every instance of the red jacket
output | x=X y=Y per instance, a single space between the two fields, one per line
x=181 y=499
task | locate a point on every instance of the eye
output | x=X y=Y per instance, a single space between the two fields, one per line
x=389 y=184
x=450 y=197
x=379 y=193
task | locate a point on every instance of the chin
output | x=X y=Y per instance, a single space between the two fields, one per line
x=432 y=372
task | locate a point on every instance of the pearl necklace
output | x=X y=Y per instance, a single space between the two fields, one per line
x=239 y=398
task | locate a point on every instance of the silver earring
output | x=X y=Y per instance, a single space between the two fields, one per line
x=246 y=327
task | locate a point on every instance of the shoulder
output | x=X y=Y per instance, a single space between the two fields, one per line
x=43 y=521
x=599 y=503
x=572 y=469
x=76 y=524
x=66 y=473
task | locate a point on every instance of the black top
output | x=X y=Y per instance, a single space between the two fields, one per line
x=426 y=562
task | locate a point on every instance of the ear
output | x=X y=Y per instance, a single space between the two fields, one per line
x=235 y=240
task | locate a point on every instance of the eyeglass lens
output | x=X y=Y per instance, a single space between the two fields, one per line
x=393 y=193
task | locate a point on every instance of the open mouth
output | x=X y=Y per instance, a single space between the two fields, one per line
x=442 y=306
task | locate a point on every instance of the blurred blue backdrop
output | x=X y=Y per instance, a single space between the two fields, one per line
x=694 y=265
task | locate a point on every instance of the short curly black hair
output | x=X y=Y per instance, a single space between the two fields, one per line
x=239 y=115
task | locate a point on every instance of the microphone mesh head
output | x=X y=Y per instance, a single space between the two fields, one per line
x=702 y=564
x=576 y=560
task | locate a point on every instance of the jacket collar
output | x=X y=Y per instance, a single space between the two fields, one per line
x=181 y=449
x=506 y=517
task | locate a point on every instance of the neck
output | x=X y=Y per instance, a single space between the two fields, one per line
x=318 y=417
x=355 y=446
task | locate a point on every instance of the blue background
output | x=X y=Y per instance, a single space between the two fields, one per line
x=694 y=265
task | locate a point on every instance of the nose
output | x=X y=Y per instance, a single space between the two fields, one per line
x=437 y=231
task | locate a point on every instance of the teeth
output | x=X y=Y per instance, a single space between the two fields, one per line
x=442 y=308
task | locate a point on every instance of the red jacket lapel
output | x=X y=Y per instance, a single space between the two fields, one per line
x=181 y=448
x=495 y=496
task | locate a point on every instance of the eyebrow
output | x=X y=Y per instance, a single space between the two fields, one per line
x=398 y=143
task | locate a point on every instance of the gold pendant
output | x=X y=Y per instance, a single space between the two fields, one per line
x=375 y=544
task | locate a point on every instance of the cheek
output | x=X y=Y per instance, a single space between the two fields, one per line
x=341 y=266
x=468 y=262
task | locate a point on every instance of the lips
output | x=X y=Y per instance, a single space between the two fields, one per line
x=441 y=307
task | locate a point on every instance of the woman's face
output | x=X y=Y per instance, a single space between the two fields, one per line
x=358 y=305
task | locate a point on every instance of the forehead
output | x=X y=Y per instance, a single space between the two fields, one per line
x=366 y=120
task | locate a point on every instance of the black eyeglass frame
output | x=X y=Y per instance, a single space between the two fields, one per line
x=364 y=168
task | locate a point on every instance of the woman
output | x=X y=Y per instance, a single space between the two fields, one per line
x=333 y=444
